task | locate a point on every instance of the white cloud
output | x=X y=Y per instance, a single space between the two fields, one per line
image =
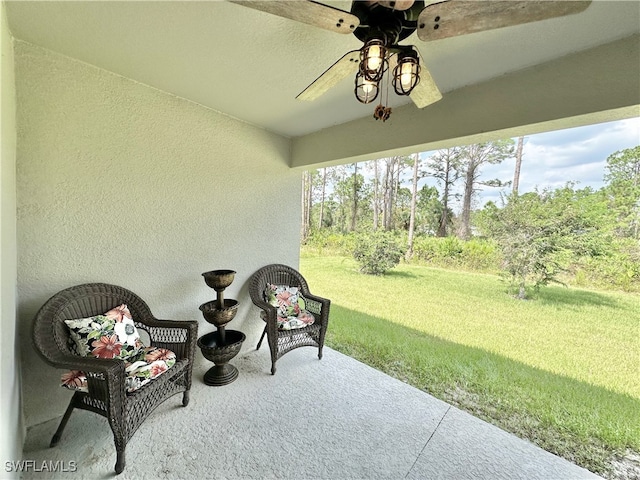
x=552 y=159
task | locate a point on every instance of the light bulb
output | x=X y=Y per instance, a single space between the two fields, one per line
x=374 y=58
x=366 y=91
x=406 y=76
x=368 y=86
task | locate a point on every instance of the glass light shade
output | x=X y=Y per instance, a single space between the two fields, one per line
x=366 y=91
x=372 y=59
x=406 y=74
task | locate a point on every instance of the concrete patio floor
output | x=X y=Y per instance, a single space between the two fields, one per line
x=331 y=419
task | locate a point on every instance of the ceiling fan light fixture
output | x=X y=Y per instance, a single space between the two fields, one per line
x=380 y=25
x=366 y=91
x=372 y=59
x=406 y=75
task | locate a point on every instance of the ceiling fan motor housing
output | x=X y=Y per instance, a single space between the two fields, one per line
x=377 y=21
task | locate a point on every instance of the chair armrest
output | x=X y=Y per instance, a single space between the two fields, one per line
x=105 y=377
x=322 y=304
x=85 y=364
x=271 y=313
x=263 y=305
x=176 y=335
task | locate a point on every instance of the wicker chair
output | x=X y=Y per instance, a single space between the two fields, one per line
x=283 y=341
x=106 y=378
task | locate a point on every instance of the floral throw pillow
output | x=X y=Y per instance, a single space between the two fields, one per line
x=149 y=363
x=291 y=306
x=111 y=335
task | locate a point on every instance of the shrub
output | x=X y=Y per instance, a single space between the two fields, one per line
x=481 y=255
x=326 y=241
x=424 y=248
x=475 y=254
x=443 y=252
x=450 y=248
x=377 y=252
x=617 y=271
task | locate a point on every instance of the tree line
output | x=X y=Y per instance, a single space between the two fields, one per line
x=384 y=195
x=373 y=194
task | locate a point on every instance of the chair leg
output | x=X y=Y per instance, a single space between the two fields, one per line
x=274 y=354
x=118 y=427
x=120 y=461
x=63 y=423
x=264 y=332
x=185 y=398
x=319 y=353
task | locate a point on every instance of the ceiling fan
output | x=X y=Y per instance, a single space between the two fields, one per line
x=381 y=25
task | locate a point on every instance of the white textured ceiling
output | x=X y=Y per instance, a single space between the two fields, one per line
x=251 y=65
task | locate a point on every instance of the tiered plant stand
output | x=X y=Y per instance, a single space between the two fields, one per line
x=222 y=345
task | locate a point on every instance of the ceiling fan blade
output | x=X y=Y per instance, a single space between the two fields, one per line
x=451 y=18
x=309 y=12
x=426 y=92
x=347 y=65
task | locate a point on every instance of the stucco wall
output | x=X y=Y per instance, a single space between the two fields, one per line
x=11 y=425
x=118 y=182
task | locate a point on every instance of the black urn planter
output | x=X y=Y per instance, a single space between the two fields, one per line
x=221 y=345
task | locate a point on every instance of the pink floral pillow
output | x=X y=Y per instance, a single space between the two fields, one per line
x=149 y=363
x=111 y=335
x=114 y=335
x=291 y=306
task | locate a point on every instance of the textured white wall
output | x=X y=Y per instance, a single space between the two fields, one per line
x=118 y=182
x=11 y=429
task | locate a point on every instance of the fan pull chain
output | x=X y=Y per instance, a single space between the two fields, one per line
x=381 y=112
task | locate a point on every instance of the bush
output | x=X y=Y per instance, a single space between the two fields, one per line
x=423 y=249
x=450 y=252
x=328 y=242
x=377 y=252
x=450 y=248
x=615 y=271
x=481 y=255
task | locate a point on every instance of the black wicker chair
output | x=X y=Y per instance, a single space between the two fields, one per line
x=106 y=378
x=283 y=341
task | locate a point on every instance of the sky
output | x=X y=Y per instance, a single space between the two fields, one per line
x=554 y=158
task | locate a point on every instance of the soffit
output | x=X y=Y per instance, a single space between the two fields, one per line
x=251 y=65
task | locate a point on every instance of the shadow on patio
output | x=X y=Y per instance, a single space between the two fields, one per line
x=333 y=419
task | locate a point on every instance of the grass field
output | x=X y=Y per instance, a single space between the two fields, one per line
x=561 y=370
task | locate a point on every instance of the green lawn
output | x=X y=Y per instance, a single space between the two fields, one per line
x=561 y=370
